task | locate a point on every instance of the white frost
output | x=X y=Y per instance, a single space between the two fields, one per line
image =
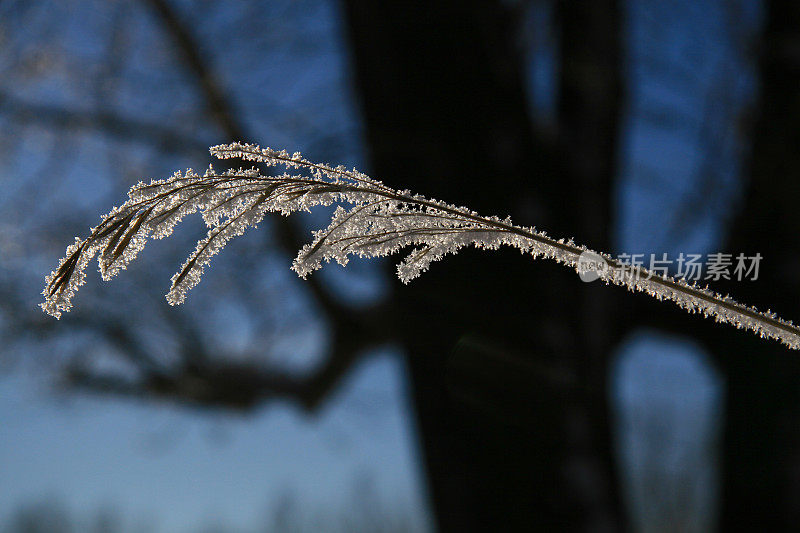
x=377 y=221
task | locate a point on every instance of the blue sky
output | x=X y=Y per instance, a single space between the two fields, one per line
x=182 y=468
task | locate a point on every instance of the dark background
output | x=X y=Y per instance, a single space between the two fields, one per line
x=492 y=392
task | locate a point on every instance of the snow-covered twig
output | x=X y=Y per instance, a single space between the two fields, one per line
x=377 y=221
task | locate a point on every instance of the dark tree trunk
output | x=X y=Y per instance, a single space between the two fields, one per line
x=507 y=356
x=761 y=436
x=761 y=461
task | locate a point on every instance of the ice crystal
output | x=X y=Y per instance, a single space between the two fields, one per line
x=372 y=220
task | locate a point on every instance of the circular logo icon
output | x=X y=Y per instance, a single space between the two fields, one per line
x=591 y=266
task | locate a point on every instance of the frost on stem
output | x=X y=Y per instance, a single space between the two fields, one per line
x=373 y=220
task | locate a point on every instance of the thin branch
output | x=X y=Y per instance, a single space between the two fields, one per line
x=380 y=221
x=218 y=102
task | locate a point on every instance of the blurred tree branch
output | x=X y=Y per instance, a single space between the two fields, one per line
x=112 y=124
x=201 y=377
x=222 y=112
x=224 y=382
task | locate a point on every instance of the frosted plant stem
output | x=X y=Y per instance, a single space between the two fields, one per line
x=379 y=221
